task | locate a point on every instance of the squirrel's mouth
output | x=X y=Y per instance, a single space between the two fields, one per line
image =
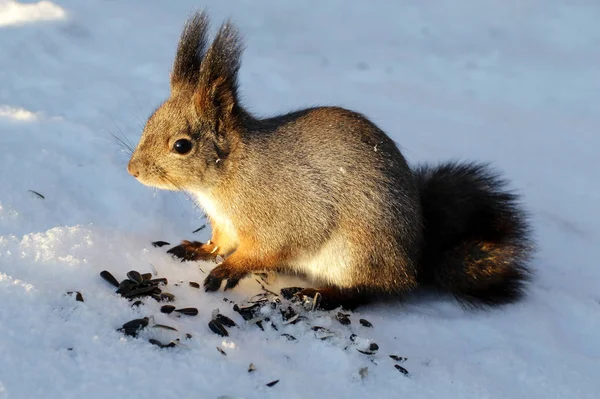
x=155 y=177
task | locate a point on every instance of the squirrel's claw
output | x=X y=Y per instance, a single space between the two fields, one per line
x=194 y=250
x=213 y=281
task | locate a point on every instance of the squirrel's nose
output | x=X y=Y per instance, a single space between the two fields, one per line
x=133 y=168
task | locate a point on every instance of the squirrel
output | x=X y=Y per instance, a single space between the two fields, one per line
x=324 y=193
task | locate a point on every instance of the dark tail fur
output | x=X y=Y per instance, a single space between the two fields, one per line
x=477 y=240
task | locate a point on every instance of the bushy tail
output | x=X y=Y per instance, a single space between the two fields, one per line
x=477 y=239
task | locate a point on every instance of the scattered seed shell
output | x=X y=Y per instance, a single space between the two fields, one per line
x=289 y=337
x=167 y=297
x=343 y=318
x=37 y=194
x=132 y=327
x=194 y=284
x=218 y=328
x=164 y=327
x=126 y=286
x=137 y=303
x=158 y=281
x=222 y=351
x=135 y=276
x=188 y=311
x=167 y=309
x=105 y=274
x=226 y=321
x=398 y=358
x=199 y=228
x=289 y=292
x=78 y=296
x=143 y=291
x=401 y=369
x=251 y=368
x=272 y=383
x=365 y=323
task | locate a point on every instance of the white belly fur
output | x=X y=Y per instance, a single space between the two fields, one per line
x=330 y=265
x=216 y=215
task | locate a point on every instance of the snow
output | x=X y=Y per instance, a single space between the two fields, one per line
x=514 y=83
x=15 y=13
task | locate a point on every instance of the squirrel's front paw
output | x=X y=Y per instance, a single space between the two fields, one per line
x=196 y=250
x=222 y=272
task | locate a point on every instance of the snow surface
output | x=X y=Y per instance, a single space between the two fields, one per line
x=513 y=82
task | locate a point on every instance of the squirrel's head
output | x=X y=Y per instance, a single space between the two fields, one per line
x=186 y=144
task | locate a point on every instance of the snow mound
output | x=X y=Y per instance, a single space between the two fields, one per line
x=17 y=114
x=14 y=13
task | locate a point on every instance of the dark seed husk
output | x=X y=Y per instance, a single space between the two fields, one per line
x=158 y=281
x=160 y=344
x=105 y=274
x=289 y=292
x=199 y=228
x=221 y=351
x=401 y=369
x=156 y=297
x=373 y=348
x=126 y=286
x=158 y=244
x=143 y=291
x=289 y=316
x=398 y=358
x=251 y=368
x=36 y=193
x=188 y=311
x=167 y=297
x=188 y=336
x=137 y=303
x=247 y=312
x=164 y=327
x=167 y=309
x=259 y=324
x=366 y=352
x=194 y=284
x=218 y=328
x=289 y=337
x=226 y=321
x=78 y=296
x=146 y=276
x=343 y=318
x=132 y=327
x=353 y=337
x=365 y=323
x=135 y=276
x=272 y=383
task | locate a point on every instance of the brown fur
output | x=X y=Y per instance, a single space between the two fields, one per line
x=322 y=191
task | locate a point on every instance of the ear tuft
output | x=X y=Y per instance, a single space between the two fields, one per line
x=190 y=51
x=216 y=97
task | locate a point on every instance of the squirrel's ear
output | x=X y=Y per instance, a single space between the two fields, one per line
x=216 y=95
x=190 y=52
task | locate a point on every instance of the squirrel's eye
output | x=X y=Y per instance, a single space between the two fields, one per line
x=182 y=146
